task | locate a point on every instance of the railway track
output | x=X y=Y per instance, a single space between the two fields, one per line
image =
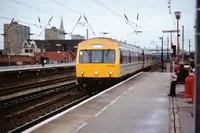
x=38 y=107
x=156 y=67
x=21 y=99
x=45 y=115
x=19 y=112
x=31 y=85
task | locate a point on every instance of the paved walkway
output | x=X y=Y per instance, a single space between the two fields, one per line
x=181 y=113
x=139 y=105
x=142 y=109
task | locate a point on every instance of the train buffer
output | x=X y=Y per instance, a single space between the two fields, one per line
x=138 y=104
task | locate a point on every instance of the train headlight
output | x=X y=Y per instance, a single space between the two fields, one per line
x=82 y=72
x=110 y=73
x=96 y=73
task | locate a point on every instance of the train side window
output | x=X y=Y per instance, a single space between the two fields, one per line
x=138 y=57
x=124 y=57
x=127 y=56
x=121 y=57
x=132 y=57
x=129 y=53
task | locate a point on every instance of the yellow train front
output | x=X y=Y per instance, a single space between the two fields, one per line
x=102 y=61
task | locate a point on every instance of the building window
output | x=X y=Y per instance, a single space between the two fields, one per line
x=31 y=51
x=26 y=51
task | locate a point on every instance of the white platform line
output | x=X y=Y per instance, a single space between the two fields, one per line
x=104 y=108
x=80 y=127
x=111 y=103
x=72 y=108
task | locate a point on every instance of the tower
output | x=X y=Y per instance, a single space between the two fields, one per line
x=62 y=31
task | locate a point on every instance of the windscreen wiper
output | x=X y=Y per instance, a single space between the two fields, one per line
x=87 y=51
x=107 y=52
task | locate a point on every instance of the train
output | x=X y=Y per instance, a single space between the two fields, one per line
x=103 y=61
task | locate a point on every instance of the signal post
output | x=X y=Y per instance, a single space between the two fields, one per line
x=171 y=58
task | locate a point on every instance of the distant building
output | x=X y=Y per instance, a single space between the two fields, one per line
x=53 y=50
x=55 y=34
x=77 y=37
x=14 y=36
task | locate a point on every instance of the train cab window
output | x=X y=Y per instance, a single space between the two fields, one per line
x=96 y=56
x=84 y=56
x=109 y=56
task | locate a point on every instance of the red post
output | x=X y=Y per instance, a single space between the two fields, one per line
x=171 y=60
x=178 y=50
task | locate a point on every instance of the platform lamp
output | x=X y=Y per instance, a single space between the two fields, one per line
x=162 y=52
x=178 y=16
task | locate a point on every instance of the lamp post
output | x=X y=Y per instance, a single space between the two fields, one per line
x=162 y=52
x=58 y=45
x=178 y=16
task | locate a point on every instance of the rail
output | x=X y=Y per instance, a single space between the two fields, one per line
x=31 y=85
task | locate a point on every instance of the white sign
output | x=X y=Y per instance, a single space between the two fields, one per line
x=97 y=45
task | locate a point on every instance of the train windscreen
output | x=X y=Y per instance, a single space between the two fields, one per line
x=97 y=56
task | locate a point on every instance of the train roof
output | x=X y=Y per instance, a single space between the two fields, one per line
x=121 y=44
x=124 y=45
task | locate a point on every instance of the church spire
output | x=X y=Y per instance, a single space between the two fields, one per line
x=62 y=26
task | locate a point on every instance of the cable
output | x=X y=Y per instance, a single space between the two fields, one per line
x=76 y=25
x=126 y=18
x=89 y=25
x=129 y=23
x=26 y=5
x=66 y=7
x=46 y=25
x=99 y=3
x=30 y=24
x=137 y=19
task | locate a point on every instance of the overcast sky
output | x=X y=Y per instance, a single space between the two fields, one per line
x=153 y=18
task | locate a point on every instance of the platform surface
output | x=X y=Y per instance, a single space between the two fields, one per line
x=29 y=67
x=139 y=105
x=185 y=110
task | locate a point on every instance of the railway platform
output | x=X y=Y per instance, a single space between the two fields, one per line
x=182 y=113
x=137 y=105
x=4 y=69
x=15 y=76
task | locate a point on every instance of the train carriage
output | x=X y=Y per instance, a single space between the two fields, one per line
x=104 y=61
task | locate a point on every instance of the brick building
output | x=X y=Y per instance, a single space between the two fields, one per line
x=56 y=51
